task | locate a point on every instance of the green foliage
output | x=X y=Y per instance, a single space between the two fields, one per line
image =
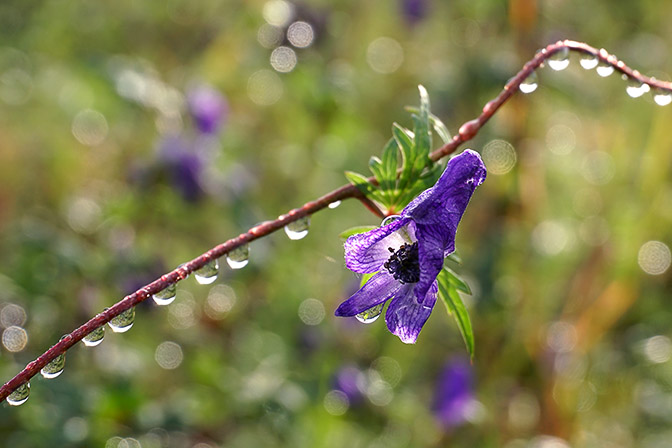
x=396 y=184
x=450 y=286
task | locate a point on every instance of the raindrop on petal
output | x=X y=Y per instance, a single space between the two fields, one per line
x=370 y=315
x=167 y=295
x=559 y=60
x=636 y=89
x=334 y=204
x=208 y=273
x=239 y=257
x=662 y=97
x=95 y=337
x=604 y=69
x=54 y=368
x=389 y=220
x=298 y=229
x=123 y=322
x=20 y=395
x=530 y=83
x=588 y=61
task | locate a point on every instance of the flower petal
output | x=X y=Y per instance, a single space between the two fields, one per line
x=444 y=203
x=366 y=252
x=405 y=316
x=433 y=243
x=378 y=289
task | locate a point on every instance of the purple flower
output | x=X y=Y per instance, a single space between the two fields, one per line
x=184 y=167
x=208 y=108
x=408 y=253
x=414 y=10
x=454 y=393
x=349 y=380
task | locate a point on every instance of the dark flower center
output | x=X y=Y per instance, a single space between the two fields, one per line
x=403 y=264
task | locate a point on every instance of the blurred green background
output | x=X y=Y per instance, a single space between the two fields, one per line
x=108 y=181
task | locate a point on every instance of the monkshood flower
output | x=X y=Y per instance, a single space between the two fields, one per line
x=208 y=108
x=184 y=167
x=407 y=254
x=454 y=393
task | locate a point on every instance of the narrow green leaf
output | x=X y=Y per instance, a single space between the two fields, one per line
x=390 y=162
x=451 y=298
x=440 y=128
x=363 y=185
x=365 y=278
x=456 y=281
x=423 y=136
x=406 y=145
x=354 y=231
x=455 y=258
x=376 y=167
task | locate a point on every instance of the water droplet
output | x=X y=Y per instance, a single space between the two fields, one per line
x=604 y=69
x=370 y=315
x=389 y=220
x=559 y=60
x=95 y=337
x=239 y=257
x=636 y=89
x=588 y=61
x=54 y=368
x=208 y=273
x=20 y=395
x=167 y=295
x=298 y=229
x=334 y=204
x=530 y=83
x=662 y=97
x=123 y=322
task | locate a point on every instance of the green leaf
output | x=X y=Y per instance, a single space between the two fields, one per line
x=405 y=143
x=455 y=258
x=365 y=278
x=363 y=185
x=440 y=128
x=354 y=231
x=455 y=307
x=456 y=281
x=376 y=167
x=390 y=163
x=423 y=136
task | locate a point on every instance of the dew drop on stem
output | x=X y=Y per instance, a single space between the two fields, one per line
x=95 y=337
x=371 y=315
x=54 y=368
x=588 y=61
x=604 y=69
x=530 y=83
x=208 y=273
x=20 y=395
x=123 y=322
x=635 y=89
x=298 y=229
x=239 y=257
x=559 y=60
x=334 y=204
x=167 y=295
x=662 y=97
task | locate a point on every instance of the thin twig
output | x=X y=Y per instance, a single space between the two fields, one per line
x=466 y=132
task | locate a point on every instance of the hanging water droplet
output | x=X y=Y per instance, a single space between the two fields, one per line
x=370 y=315
x=334 y=204
x=167 y=295
x=530 y=83
x=389 y=220
x=559 y=60
x=20 y=395
x=239 y=257
x=636 y=89
x=123 y=322
x=208 y=273
x=604 y=69
x=95 y=337
x=588 y=61
x=54 y=368
x=298 y=229
x=662 y=97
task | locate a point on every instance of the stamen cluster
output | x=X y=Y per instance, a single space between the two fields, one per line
x=403 y=264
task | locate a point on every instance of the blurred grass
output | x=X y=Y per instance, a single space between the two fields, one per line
x=572 y=337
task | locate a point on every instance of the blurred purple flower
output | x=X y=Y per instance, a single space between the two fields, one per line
x=454 y=393
x=349 y=379
x=208 y=108
x=184 y=167
x=414 y=10
x=407 y=254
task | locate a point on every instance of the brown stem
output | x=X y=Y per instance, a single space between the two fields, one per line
x=466 y=132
